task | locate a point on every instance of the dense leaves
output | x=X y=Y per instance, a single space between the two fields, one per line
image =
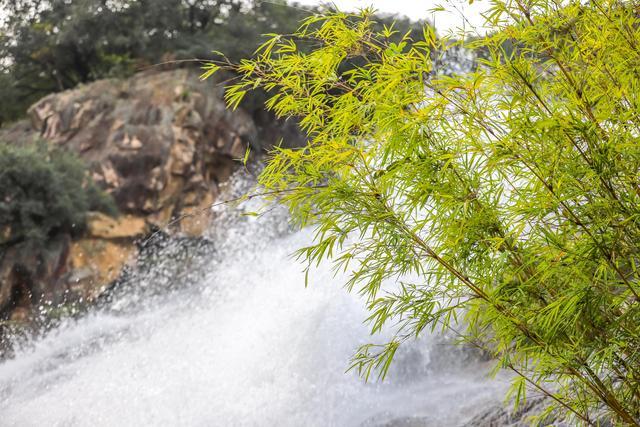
x=52 y=45
x=43 y=192
x=507 y=196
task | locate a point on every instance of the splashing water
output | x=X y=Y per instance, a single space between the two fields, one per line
x=230 y=336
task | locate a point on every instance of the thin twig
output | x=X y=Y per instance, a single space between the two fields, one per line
x=208 y=208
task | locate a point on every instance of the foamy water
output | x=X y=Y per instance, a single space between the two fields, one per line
x=237 y=341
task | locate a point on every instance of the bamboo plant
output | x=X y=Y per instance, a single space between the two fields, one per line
x=504 y=199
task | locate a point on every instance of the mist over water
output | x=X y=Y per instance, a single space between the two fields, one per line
x=224 y=332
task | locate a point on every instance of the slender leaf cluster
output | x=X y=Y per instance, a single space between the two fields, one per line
x=507 y=196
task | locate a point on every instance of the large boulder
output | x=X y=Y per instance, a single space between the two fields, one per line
x=160 y=143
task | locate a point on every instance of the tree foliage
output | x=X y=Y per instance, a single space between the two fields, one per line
x=505 y=199
x=52 y=45
x=44 y=192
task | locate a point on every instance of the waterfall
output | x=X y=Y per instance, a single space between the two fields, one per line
x=223 y=332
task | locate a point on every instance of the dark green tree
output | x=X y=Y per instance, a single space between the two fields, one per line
x=49 y=46
x=43 y=192
x=52 y=45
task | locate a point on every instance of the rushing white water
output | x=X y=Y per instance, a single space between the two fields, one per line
x=234 y=339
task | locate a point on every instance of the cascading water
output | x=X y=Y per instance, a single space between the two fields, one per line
x=227 y=334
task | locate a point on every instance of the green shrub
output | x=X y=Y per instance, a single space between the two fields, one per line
x=43 y=192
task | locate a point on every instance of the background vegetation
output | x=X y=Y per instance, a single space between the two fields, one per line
x=51 y=45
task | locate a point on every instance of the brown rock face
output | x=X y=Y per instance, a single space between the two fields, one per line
x=94 y=263
x=160 y=143
x=149 y=139
x=102 y=226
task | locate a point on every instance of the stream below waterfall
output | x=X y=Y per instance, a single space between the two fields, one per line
x=228 y=335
